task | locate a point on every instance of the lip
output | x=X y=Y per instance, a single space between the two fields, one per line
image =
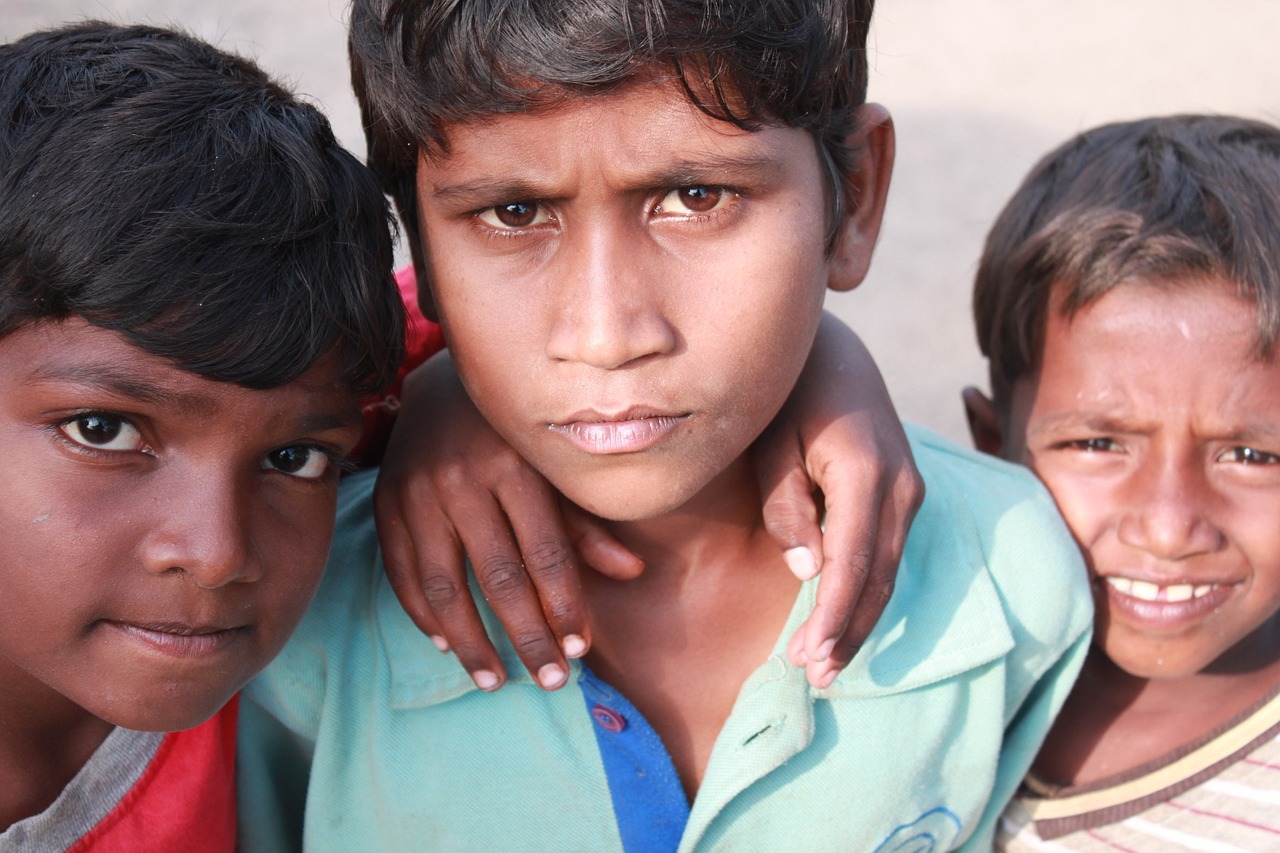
x=180 y=640
x=632 y=431
x=1163 y=605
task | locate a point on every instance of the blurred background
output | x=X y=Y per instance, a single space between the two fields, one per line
x=980 y=89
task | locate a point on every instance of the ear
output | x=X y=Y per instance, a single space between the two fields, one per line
x=984 y=425
x=870 y=169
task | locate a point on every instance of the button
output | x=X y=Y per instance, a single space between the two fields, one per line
x=608 y=719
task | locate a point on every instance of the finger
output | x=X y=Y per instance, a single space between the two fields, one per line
x=550 y=563
x=789 y=510
x=597 y=548
x=400 y=560
x=500 y=572
x=849 y=547
x=432 y=585
x=890 y=526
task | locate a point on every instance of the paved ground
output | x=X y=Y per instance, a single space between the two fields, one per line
x=979 y=88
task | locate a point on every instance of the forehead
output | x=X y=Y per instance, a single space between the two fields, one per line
x=643 y=126
x=72 y=353
x=1156 y=350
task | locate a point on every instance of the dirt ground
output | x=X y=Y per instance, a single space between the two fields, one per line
x=979 y=90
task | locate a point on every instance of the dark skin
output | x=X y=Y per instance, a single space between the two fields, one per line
x=449 y=481
x=680 y=640
x=1167 y=470
x=44 y=742
x=164 y=534
x=627 y=420
x=1114 y=721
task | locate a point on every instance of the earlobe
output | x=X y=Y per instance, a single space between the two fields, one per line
x=870 y=169
x=984 y=424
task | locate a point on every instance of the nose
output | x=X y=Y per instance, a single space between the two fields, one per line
x=205 y=532
x=610 y=306
x=1170 y=511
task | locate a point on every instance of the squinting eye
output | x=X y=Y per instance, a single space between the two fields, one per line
x=695 y=200
x=1093 y=445
x=517 y=214
x=1248 y=456
x=103 y=432
x=308 y=463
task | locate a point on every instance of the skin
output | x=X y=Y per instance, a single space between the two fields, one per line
x=630 y=290
x=164 y=534
x=1156 y=426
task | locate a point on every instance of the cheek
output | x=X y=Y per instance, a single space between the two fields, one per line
x=1083 y=503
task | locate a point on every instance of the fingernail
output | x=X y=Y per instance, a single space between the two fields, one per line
x=801 y=562
x=440 y=642
x=551 y=676
x=485 y=679
x=824 y=650
x=825 y=681
x=574 y=646
x=801 y=659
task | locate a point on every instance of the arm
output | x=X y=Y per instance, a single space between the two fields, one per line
x=448 y=484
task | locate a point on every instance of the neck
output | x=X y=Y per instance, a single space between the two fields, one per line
x=680 y=640
x=723 y=518
x=45 y=739
x=1115 y=721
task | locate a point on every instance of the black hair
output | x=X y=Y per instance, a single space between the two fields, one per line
x=1162 y=200
x=160 y=188
x=419 y=65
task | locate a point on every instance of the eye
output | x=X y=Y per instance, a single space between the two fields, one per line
x=695 y=200
x=102 y=431
x=1248 y=456
x=517 y=214
x=1092 y=445
x=307 y=463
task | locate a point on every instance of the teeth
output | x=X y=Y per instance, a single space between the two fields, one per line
x=1145 y=590
x=1120 y=584
x=1148 y=591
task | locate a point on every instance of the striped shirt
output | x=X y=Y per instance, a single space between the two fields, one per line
x=1219 y=794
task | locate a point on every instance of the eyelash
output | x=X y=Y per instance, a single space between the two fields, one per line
x=342 y=464
x=474 y=216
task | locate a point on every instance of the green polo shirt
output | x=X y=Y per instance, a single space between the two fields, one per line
x=361 y=736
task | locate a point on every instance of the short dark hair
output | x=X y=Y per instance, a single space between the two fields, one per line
x=419 y=65
x=160 y=188
x=1161 y=200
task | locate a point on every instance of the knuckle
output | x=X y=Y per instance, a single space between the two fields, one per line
x=549 y=560
x=441 y=590
x=502 y=578
x=530 y=645
x=878 y=593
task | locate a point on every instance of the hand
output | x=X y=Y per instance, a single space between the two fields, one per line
x=448 y=485
x=839 y=431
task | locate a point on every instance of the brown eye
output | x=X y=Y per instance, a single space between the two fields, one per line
x=694 y=200
x=700 y=199
x=515 y=215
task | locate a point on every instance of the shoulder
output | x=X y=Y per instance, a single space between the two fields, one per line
x=992 y=564
x=996 y=516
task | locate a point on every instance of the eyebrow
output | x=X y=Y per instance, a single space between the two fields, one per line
x=121 y=382
x=1099 y=421
x=713 y=170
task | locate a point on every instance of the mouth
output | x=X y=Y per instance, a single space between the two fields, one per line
x=1163 y=607
x=179 y=639
x=1171 y=593
x=628 y=432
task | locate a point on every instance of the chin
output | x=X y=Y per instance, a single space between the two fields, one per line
x=160 y=713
